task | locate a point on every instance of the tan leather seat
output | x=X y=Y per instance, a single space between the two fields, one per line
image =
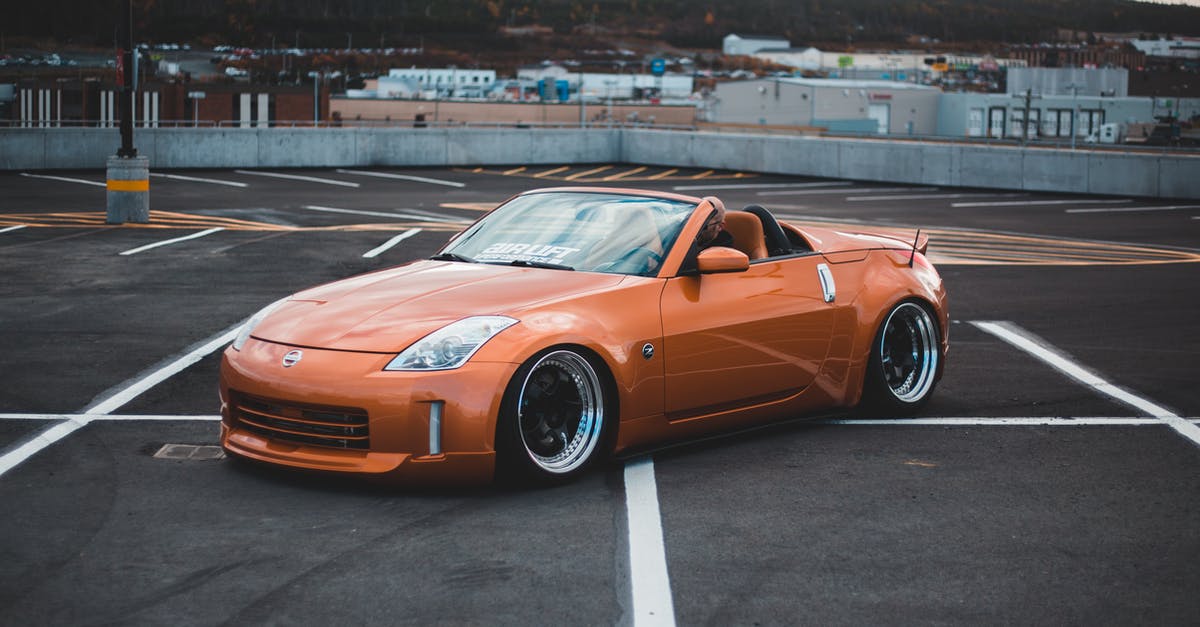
x=747 y=232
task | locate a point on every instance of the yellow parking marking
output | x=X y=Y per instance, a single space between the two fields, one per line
x=560 y=173
x=967 y=247
x=172 y=220
x=579 y=175
x=946 y=246
x=469 y=206
x=549 y=172
x=142 y=185
x=616 y=177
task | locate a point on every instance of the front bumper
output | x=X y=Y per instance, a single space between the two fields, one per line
x=436 y=427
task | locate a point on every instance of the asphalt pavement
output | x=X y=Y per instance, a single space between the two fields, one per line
x=1049 y=481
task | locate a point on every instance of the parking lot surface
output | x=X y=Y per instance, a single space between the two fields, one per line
x=1050 y=479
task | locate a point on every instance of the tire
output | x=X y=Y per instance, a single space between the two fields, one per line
x=554 y=419
x=905 y=356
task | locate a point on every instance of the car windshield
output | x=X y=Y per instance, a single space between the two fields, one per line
x=589 y=231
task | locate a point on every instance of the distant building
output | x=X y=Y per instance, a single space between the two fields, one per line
x=606 y=86
x=448 y=82
x=1049 y=81
x=1074 y=55
x=897 y=66
x=1177 y=48
x=1049 y=117
x=89 y=102
x=735 y=44
x=883 y=107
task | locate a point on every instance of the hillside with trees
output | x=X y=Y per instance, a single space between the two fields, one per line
x=681 y=23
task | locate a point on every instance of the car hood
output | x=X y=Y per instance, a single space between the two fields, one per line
x=387 y=311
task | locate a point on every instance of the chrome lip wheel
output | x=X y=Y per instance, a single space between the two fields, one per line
x=909 y=352
x=561 y=412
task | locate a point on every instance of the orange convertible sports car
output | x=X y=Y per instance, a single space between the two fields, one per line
x=572 y=323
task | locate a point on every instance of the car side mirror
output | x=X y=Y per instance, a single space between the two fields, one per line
x=719 y=260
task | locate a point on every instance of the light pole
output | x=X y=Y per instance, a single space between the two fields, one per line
x=317 y=77
x=1074 y=87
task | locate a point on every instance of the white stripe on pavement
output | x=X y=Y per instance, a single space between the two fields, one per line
x=113 y=417
x=410 y=215
x=435 y=217
x=375 y=252
x=134 y=251
x=814 y=192
x=648 y=578
x=195 y=179
x=298 y=177
x=1131 y=209
x=64 y=179
x=1028 y=421
x=115 y=400
x=683 y=188
x=965 y=421
x=1034 y=203
x=12 y=228
x=403 y=177
x=1042 y=350
x=925 y=196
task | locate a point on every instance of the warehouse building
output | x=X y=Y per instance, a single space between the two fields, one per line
x=884 y=107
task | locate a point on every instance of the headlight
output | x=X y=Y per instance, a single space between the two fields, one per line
x=452 y=345
x=248 y=328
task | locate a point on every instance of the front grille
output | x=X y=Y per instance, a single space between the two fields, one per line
x=335 y=427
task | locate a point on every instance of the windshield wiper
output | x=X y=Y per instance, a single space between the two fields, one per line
x=452 y=257
x=539 y=264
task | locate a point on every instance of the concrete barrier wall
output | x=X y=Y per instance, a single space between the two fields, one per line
x=1147 y=174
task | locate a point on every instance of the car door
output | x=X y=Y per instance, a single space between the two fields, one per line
x=740 y=339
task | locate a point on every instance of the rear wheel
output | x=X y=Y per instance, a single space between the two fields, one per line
x=902 y=370
x=553 y=420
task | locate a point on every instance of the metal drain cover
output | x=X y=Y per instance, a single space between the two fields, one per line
x=191 y=452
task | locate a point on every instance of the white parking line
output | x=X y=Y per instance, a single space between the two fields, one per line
x=298 y=177
x=411 y=214
x=925 y=196
x=436 y=217
x=64 y=179
x=113 y=401
x=1035 y=203
x=115 y=417
x=1131 y=209
x=403 y=177
x=375 y=252
x=1030 y=421
x=12 y=228
x=194 y=179
x=134 y=251
x=966 y=421
x=684 y=188
x=1037 y=347
x=648 y=578
x=814 y=192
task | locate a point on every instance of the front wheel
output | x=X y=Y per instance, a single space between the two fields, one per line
x=903 y=367
x=553 y=419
